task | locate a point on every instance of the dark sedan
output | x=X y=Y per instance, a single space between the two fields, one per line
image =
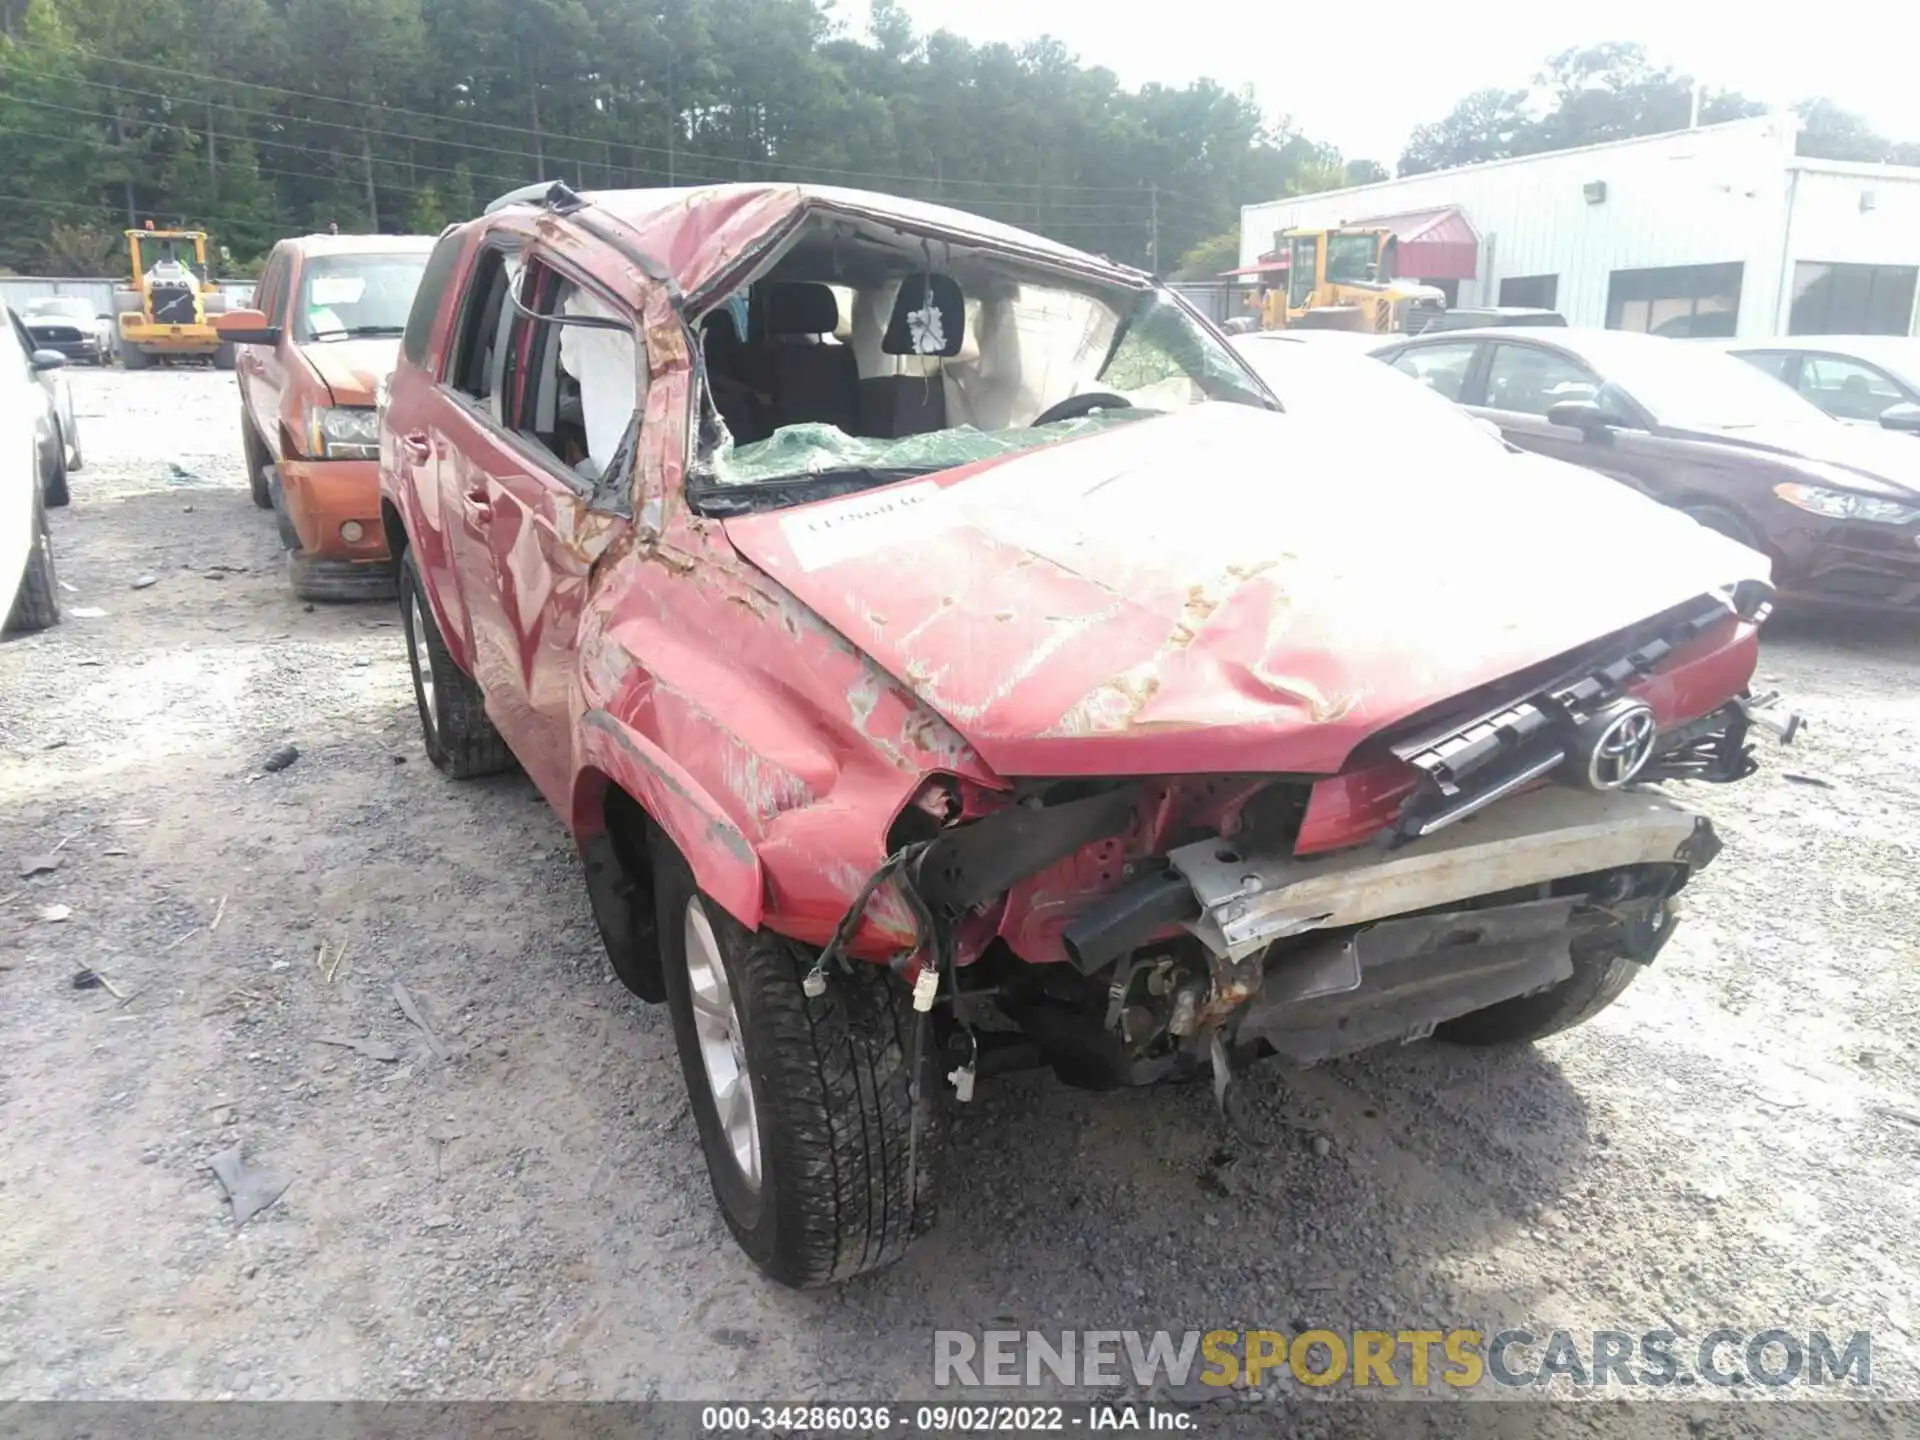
x=1836 y=507
x=67 y=325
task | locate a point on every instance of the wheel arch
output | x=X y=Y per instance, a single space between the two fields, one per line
x=1693 y=502
x=394 y=529
x=624 y=778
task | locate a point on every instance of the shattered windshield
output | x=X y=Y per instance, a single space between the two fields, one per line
x=1004 y=366
x=352 y=297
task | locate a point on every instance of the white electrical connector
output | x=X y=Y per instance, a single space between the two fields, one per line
x=962 y=1082
x=814 y=984
x=925 y=986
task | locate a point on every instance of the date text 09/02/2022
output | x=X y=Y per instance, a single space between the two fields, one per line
x=941 y=1419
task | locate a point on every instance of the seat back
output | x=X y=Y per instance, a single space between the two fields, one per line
x=810 y=378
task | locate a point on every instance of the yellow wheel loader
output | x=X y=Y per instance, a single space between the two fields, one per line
x=1343 y=279
x=163 y=315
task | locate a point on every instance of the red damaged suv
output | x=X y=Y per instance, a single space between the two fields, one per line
x=948 y=656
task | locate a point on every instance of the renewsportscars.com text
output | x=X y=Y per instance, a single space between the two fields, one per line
x=1389 y=1360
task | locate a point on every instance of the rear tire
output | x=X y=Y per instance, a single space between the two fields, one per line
x=845 y=1153
x=223 y=356
x=1597 y=981
x=454 y=728
x=132 y=357
x=36 y=605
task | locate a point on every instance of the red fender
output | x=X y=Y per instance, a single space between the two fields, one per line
x=725 y=865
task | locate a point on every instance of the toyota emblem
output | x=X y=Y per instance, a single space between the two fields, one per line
x=1622 y=749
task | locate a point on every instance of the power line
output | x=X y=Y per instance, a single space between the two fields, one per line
x=377 y=107
x=1085 y=213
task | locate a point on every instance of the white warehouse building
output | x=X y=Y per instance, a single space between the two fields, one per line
x=1720 y=230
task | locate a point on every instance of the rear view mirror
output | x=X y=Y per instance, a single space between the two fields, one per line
x=245 y=327
x=44 y=360
x=1903 y=417
x=1582 y=415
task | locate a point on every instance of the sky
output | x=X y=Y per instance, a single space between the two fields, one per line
x=1363 y=87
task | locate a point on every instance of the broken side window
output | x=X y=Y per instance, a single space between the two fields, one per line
x=575 y=383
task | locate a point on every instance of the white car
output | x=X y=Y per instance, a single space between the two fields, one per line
x=27 y=580
x=58 y=427
x=1334 y=374
x=1861 y=379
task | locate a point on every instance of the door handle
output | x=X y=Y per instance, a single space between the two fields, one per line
x=477 y=501
x=417 y=448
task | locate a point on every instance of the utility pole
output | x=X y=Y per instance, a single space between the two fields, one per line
x=213 y=163
x=373 y=201
x=539 y=147
x=1153 y=227
x=673 y=120
x=120 y=141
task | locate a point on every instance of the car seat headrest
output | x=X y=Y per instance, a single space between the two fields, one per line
x=929 y=318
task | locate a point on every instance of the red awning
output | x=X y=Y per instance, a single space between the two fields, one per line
x=1434 y=244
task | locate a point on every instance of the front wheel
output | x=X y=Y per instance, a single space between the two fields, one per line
x=258 y=462
x=822 y=1149
x=36 y=605
x=1725 y=522
x=53 y=484
x=458 y=736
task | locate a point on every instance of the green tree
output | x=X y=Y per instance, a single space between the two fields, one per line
x=1211 y=257
x=50 y=161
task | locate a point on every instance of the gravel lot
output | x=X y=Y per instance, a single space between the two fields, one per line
x=1737 y=1143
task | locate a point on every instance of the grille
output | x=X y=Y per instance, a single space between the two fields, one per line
x=173 y=305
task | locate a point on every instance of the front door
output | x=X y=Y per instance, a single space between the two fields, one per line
x=539 y=478
x=1522 y=382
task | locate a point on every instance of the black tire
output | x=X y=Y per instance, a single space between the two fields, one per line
x=1597 y=981
x=1725 y=522
x=223 y=356
x=849 y=1158
x=53 y=484
x=36 y=604
x=132 y=357
x=454 y=728
x=258 y=460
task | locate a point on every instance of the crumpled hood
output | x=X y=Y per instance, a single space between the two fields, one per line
x=1227 y=588
x=352 y=369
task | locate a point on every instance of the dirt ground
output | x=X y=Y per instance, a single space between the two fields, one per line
x=1737 y=1143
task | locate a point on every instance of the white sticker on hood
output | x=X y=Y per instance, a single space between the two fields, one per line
x=823 y=535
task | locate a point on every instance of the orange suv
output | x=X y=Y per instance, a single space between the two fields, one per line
x=324 y=334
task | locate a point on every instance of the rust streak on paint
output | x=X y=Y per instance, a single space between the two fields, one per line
x=749 y=602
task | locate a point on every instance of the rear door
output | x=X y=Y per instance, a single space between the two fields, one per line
x=1449 y=368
